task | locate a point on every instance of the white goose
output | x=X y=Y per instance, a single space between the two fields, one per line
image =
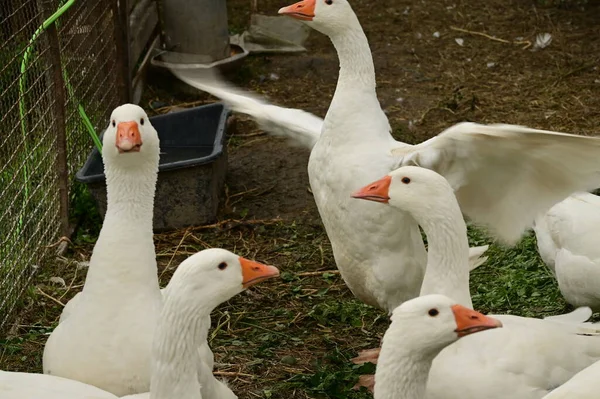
x=503 y=175
x=420 y=329
x=584 y=385
x=528 y=357
x=567 y=238
x=104 y=337
x=199 y=284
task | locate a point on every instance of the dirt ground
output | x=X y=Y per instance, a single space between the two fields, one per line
x=293 y=338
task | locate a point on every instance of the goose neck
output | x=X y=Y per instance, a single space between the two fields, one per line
x=124 y=254
x=447 y=270
x=182 y=328
x=356 y=62
x=130 y=195
x=401 y=372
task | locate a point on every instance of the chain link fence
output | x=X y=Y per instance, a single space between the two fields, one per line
x=56 y=83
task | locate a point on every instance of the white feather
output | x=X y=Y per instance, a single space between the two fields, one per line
x=302 y=127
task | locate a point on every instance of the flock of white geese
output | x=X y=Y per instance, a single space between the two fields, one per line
x=124 y=337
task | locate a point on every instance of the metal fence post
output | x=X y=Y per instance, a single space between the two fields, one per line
x=120 y=13
x=58 y=111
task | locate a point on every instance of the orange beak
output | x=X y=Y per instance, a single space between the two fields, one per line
x=254 y=272
x=129 y=138
x=302 y=10
x=377 y=191
x=469 y=321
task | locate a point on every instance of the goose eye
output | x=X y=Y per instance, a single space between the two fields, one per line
x=433 y=312
x=222 y=266
x=329 y=2
x=114 y=123
x=406 y=180
x=142 y=121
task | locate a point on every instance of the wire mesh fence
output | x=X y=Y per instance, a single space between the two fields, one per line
x=52 y=80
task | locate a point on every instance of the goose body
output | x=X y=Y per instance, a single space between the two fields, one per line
x=43 y=386
x=567 y=237
x=106 y=338
x=584 y=385
x=105 y=332
x=528 y=357
x=503 y=175
x=199 y=284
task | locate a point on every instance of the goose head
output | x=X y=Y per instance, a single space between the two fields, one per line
x=431 y=322
x=130 y=136
x=216 y=275
x=413 y=189
x=327 y=16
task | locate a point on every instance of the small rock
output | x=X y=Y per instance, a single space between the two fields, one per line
x=175 y=109
x=59 y=281
x=436 y=34
x=158 y=104
x=459 y=41
x=274 y=76
x=542 y=40
x=491 y=64
x=291 y=360
x=83 y=265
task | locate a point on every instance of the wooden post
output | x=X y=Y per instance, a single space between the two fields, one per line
x=59 y=123
x=120 y=12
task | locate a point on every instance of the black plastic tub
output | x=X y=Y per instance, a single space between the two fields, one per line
x=191 y=173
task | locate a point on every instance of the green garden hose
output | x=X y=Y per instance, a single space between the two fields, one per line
x=22 y=78
x=22 y=82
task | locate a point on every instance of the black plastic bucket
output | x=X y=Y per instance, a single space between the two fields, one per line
x=192 y=169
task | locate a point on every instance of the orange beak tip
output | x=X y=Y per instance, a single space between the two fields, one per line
x=128 y=137
x=469 y=321
x=254 y=272
x=303 y=10
x=377 y=191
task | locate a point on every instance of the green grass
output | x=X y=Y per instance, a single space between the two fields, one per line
x=292 y=337
x=514 y=280
x=84 y=214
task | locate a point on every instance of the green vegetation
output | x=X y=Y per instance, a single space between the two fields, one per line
x=298 y=333
x=514 y=280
